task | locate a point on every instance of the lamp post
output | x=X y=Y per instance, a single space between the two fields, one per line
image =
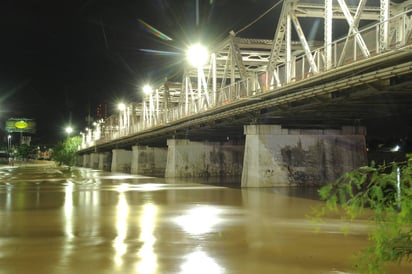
x=11 y=161
x=8 y=143
x=197 y=55
x=89 y=136
x=148 y=91
x=84 y=144
x=122 y=120
x=97 y=129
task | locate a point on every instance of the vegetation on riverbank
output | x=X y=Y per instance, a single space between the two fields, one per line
x=386 y=190
x=65 y=153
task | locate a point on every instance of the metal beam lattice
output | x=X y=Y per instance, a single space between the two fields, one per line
x=243 y=69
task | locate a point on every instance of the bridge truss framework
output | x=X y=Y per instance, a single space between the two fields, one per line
x=250 y=78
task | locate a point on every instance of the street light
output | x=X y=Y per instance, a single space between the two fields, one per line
x=89 y=133
x=121 y=106
x=69 y=130
x=147 y=89
x=122 y=121
x=197 y=55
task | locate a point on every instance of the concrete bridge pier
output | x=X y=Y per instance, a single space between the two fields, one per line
x=275 y=156
x=187 y=159
x=86 y=160
x=105 y=161
x=94 y=160
x=79 y=161
x=149 y=160
x=121 y=160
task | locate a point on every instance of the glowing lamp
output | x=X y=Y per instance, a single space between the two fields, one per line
x=197 y=55
x=147 y=89
x=121 y=106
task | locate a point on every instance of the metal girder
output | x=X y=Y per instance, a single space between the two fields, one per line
x=288 y=63
x=328 y=33
x=396 y=8
x=278 y=39
x=226 y=68
x=315 y=10
x=237 y=56
x=353 y=24
x=254 y=54
x=353 y=28
x=384 y=28
x=293 y=9
x=305 y=44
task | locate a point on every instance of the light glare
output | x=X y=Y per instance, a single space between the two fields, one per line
x=395 y=148
x=197 y=55
x=147 y=89
x=121 y=106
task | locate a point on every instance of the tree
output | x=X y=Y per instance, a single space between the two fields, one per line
x=66 y=152
x=385 y=192
x=24 y=151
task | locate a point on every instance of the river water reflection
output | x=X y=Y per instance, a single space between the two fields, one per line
x=100 y=222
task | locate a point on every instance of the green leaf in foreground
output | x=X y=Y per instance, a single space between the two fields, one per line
x=385 y=192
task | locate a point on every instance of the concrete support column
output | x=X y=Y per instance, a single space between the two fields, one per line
x=187 y=159
x=121 y=160
x=79 y=161
x=86 y=160
x=94 y=160
x=275 y=156
x=149 y=160
x=105 y=161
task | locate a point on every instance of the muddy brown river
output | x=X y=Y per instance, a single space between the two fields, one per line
x=91 y=221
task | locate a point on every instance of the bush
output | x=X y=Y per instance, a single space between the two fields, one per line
x=385 y=191
x=66 y=152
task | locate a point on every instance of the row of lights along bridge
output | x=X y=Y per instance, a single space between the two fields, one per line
x=197 y=56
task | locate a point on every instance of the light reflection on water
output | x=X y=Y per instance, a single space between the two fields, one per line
x=147 y=263
x=122 y=214
x=199 y=219
x=98 y=222
x=200 y=262
x=68 y=211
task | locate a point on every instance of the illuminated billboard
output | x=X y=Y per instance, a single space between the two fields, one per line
x=21 y=125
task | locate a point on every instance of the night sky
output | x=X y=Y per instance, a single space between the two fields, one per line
x=60 y=59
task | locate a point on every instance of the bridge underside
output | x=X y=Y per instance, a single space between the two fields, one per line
x=355 y=98
x=364 y=105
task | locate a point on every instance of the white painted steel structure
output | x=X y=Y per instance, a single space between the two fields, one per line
x=242 y=68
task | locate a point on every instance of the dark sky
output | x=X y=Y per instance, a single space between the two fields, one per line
x=60 y=59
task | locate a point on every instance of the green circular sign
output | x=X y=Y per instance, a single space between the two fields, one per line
x=21 y=124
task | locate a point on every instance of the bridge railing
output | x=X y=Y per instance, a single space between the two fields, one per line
x=234 y=92
x=350 y=49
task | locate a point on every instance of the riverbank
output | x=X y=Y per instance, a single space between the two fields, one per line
x=29 y=163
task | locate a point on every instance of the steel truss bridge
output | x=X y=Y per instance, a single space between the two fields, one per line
x=362 y=72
